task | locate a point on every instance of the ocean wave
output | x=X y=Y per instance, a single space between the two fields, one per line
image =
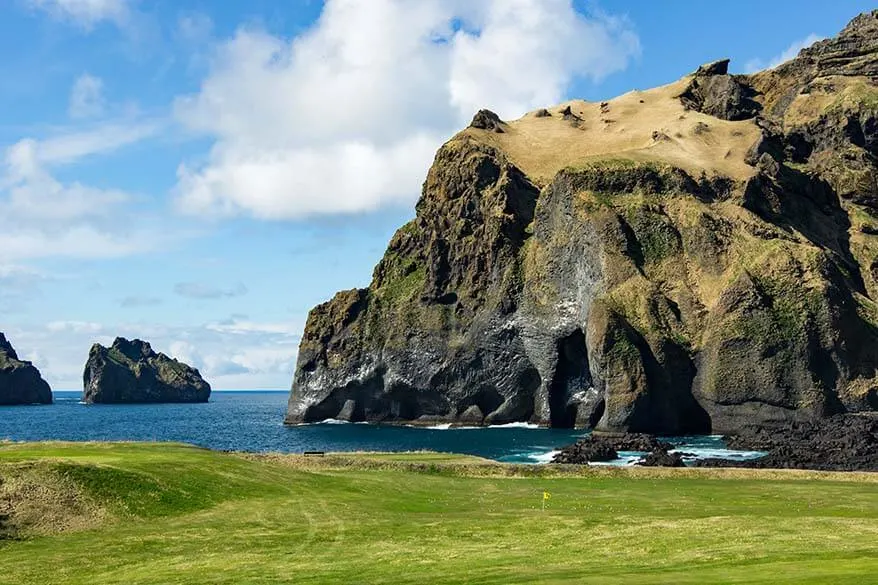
x=542 y=456
x=334 y=421
x=707 y=453
x=514 y=425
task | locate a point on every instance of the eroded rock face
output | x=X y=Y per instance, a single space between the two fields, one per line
x=627 y=294
x=130 y=372
x=20 y=381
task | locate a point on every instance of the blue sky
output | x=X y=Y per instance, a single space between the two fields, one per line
x=201 y=173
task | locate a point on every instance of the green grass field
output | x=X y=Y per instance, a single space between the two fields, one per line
x=157 y=513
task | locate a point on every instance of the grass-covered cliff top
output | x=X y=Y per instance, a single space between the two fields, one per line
x=648 y=126
x=160 y=513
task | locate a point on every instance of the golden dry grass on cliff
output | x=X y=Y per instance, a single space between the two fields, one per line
x=643 y=126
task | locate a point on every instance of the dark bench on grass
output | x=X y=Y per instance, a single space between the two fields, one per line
x=313 y=453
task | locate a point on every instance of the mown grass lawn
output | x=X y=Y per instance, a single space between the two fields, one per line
x=160 y=513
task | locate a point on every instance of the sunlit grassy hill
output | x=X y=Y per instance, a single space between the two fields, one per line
x=158 y=513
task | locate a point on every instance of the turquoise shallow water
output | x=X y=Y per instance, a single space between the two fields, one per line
x=252 y=421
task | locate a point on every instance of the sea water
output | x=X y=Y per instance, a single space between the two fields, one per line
x=253 y=421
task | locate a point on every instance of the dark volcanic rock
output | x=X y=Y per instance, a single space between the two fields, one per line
x=131 y=372
x=662 y=458
x=487 y=120
x=840 y=443
x=634 y=442
x=600 y=447
x=714 y=92
x=585 y=450
x=20 y=381
x=628 y=294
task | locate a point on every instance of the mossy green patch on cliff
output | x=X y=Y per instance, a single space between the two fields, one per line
x=278 y=519
x=403 y=285
x=117 y=356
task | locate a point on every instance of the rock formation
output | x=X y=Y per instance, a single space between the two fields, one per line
x=844 y=442
x=131 y=372
x=725 y=274
x=20 y=381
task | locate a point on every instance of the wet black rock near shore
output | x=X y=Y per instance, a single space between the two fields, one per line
x=837 y=443
x=847 y=442
x=599 y=448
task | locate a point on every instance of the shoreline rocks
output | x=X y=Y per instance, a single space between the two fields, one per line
x=605 y=447
x=837 y=443
x=20 y=380
x=130 y=372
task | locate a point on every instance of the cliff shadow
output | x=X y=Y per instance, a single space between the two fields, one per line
x=571 y=382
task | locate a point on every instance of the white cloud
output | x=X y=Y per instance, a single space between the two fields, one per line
x=73 y=326
x=86 y=97
x=244 y=326
x=47 y=217
x=71 y=146
x=346 y=117
x=86 y=13
x=790 y=52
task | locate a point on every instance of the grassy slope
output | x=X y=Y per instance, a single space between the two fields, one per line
x=176 y=514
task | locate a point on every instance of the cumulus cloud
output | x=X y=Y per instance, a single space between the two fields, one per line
x=200 y=290
x=790 y=52
x=346 y=117
x=86 y=97
x=86 y=13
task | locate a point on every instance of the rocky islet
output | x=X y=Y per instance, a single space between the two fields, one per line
x=130 y=371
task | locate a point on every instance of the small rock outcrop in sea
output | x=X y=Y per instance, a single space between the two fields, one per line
x=598 y=447
x=721 y=273
x=130 y=372
x=20 y=381
x=661 y=458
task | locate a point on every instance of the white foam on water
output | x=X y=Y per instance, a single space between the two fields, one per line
x=542 y=456
x=334 y=421
x=515 y=425
x=442 y=427
x=702 y=453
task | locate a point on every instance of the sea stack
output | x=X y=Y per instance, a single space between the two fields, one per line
x=687 y=259
x=130 y=372
x=20 y=381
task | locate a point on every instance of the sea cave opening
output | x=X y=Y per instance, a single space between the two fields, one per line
x=572 y=376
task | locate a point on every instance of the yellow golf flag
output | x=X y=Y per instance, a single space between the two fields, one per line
x=546 y=496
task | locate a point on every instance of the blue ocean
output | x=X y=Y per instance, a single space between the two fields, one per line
x=253 y=421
